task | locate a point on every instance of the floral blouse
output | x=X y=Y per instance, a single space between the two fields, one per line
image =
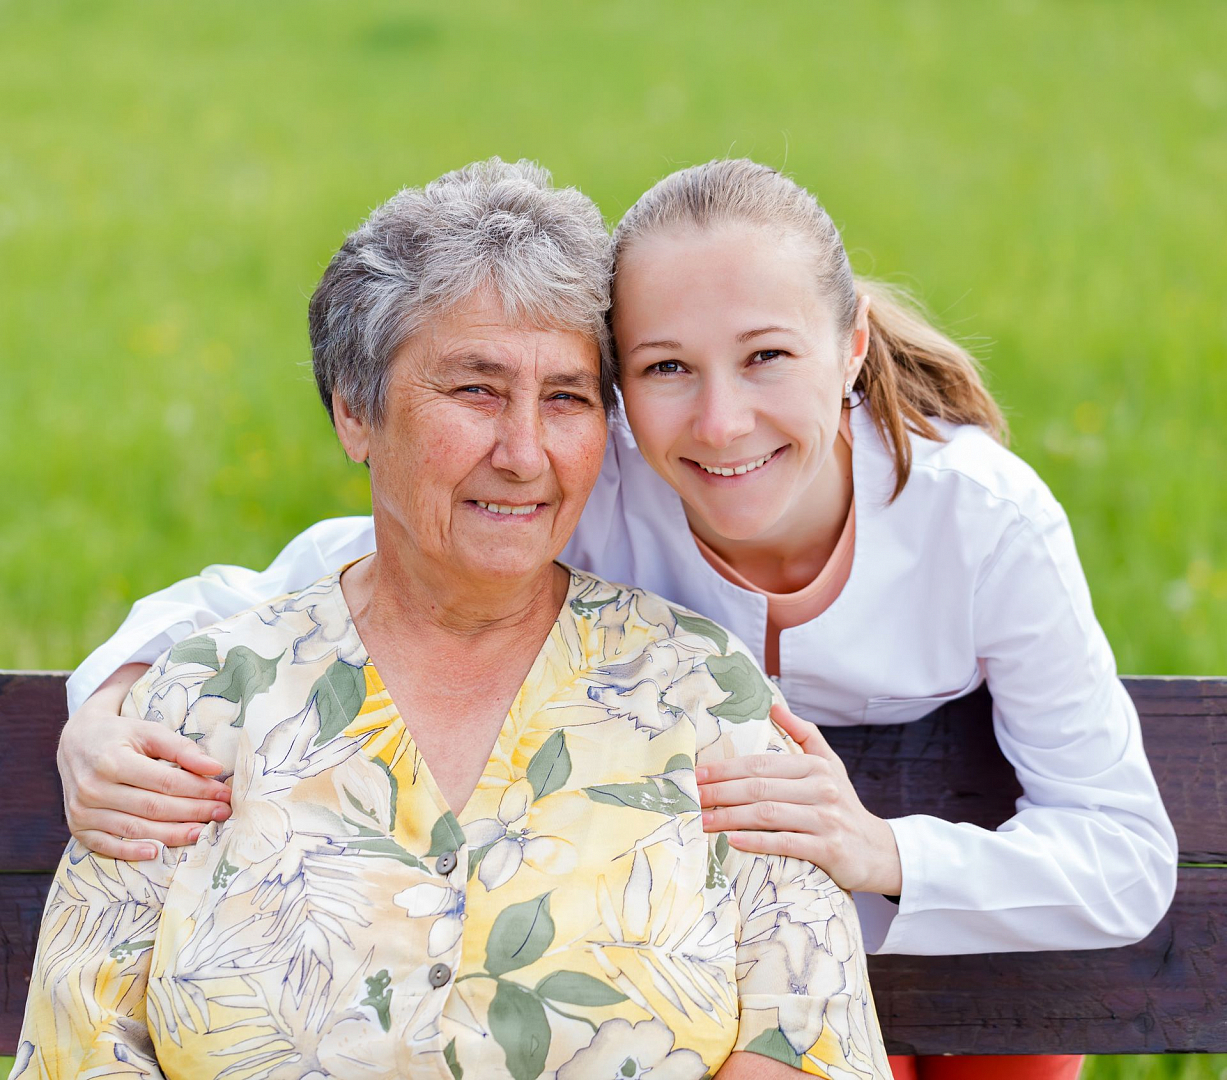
x=574 y=921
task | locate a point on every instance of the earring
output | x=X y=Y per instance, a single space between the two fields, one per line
x=848 y=389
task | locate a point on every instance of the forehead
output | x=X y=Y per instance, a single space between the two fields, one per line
x=479 y=332
x=730 y=274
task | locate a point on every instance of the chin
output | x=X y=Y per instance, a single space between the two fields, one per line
x=745 y=523
x=506 y=566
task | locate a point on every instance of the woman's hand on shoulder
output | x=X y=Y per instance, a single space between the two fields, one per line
x=802 y=806
x=120 y=783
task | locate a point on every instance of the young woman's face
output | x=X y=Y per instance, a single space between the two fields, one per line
x=733 y=371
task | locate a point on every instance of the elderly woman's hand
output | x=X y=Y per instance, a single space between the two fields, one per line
x=119 y=781
x=803 y=806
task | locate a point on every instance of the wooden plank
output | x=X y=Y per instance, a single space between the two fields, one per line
x=947 y=764
x=21 y=910
x=1191 y=771
x=1166 y=994
x=32 y=711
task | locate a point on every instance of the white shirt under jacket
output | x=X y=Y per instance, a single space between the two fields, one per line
x=970 y=575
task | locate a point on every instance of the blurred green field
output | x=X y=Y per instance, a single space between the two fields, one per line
x=174 y=177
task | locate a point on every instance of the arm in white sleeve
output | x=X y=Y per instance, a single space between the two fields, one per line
x=1089 y=858
x=156 y=622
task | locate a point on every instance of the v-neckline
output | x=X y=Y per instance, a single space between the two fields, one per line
x=509 y=734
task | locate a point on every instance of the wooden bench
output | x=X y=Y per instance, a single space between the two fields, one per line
x=1165 y=994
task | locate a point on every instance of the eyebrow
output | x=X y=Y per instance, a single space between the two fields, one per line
x=655 y=345
x=480 y=365
x=496 y=369
x=750 y=335
x=585 y=380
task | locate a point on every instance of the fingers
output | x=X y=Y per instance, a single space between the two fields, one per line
x=115 y=831
x=157 y=777
x=758 y=789
x=148 y=805
x=793 y=845
x=156 y=741
x=773 y=816
x=781 y=766
x=802 y=732
x=112 y=847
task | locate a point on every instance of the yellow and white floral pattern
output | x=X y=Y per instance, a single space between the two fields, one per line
x=573 y=921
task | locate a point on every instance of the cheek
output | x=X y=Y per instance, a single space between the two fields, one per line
x=425 y=457
x=656 y=420
x=582 y=451
x=447 y=454
x=807 y=414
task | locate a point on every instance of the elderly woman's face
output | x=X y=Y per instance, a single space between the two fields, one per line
x=491 y=441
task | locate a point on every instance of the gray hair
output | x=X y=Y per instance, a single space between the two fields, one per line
x=543 y=252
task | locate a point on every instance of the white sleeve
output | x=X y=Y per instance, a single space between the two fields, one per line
x=156 y=622
x=1089 y=858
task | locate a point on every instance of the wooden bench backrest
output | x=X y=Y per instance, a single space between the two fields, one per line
x=1165 y=994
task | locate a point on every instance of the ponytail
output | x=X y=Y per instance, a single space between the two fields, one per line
x=913 y=374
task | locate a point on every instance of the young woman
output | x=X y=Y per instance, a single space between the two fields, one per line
x=808 y=462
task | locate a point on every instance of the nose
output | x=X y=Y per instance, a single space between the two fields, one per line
x=724 y=414
x=519 y=449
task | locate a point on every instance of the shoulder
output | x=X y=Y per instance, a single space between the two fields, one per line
x=691 y=666
x=965 y=502
x=641 y=619
x=202 y=686
x=980 y=470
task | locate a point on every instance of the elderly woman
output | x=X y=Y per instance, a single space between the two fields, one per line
x=466 y=836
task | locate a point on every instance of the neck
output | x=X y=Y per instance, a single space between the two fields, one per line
x=790 y=554
x=396 y=590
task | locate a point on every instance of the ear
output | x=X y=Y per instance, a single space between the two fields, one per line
x=352 y=430
x=860 y=340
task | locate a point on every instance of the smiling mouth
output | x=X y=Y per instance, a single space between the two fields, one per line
x=744 y=468
x=506 y=509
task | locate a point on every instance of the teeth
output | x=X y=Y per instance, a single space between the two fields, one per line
x=717 y=470
x=499 y=508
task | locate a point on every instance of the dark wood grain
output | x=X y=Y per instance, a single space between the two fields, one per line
x=1168 y=993
x=32 y=711
x=21 y=910
x=949 y=765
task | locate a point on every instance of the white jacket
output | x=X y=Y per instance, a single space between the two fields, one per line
x=969 y=575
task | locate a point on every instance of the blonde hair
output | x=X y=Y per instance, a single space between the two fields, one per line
x=913 y=374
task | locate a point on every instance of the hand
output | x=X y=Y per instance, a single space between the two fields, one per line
x=115 y=786
x=802 y=806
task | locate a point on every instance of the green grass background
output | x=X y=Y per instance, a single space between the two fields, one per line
x=1048 y=177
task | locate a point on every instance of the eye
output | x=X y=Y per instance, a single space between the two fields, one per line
x=664 y=367
x=473 y=390
x=765 y=356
